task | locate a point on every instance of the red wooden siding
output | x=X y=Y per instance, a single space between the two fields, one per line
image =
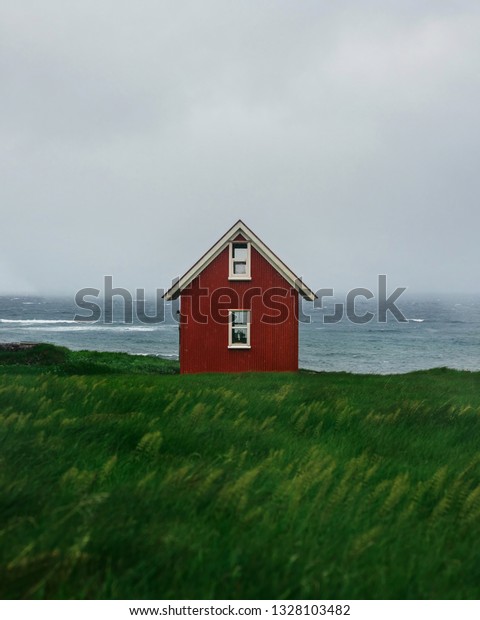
x=204 y=346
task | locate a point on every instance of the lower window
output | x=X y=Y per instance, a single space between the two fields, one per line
x=239 y=329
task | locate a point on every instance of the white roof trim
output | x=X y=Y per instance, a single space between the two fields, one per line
x=239 y=229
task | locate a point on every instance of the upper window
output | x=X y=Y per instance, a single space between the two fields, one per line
x=239 y=261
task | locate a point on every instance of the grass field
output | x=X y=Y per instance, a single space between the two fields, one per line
x=120 y=478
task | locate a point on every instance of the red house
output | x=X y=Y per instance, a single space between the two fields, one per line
x=239 y=308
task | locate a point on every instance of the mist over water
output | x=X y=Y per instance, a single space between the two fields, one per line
x=440 y=331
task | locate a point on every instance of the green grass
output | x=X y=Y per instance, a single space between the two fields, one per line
x=50 y=358
x=121 y=479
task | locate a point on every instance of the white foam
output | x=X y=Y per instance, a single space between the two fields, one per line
x=417 y=320
x=139 y=329
x=37 y=321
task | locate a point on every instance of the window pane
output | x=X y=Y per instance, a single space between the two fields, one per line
x=240 y=251
x=240 y=317
x=239 y=335
x=239 y=268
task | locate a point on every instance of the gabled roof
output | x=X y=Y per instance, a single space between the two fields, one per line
x=239 y=229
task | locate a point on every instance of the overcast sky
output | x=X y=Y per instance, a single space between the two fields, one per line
x=134 y=134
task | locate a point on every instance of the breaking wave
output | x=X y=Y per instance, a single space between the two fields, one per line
x=38 y=321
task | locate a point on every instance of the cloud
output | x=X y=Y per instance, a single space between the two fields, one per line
x=135 y=134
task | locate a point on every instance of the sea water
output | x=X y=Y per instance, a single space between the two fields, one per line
x=439 y=331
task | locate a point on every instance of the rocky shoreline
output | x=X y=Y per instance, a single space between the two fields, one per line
x=17 y=346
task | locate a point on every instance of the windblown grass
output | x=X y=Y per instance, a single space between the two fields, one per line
x=121 y=484
x=51 y=358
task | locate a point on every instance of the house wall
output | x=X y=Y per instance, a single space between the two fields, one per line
x=204 y=320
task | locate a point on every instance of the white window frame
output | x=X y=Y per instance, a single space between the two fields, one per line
x=231 y=270
x=231 y=344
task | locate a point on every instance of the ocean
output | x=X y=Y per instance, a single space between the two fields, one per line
x=440 y=331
